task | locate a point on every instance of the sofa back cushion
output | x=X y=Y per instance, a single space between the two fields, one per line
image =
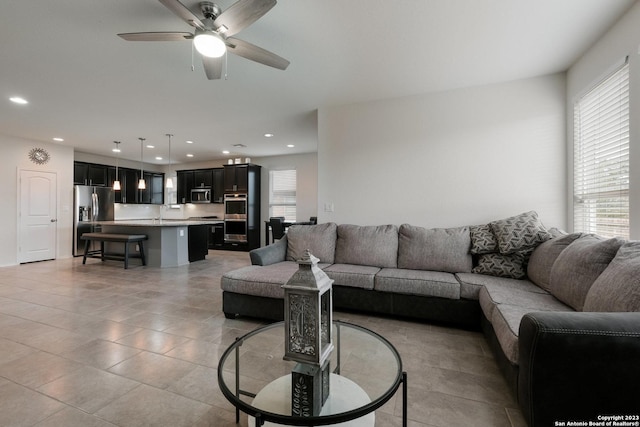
x=543 y=257
x=618 y=287
x=579 y=265
x=436 y=249
x=320 y=239
x=376 y=246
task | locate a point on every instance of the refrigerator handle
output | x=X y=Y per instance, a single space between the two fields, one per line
x=94 y=208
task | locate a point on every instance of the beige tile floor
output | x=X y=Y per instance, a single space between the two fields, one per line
x=97 y=345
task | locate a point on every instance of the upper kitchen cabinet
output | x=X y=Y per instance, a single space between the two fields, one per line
x=154 y=191
x=90 y=174
x=218 y=185
x=185 y=180
x=236 y=177
x=203 y=178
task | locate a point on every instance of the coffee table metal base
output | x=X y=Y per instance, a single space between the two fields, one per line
x=345 y=395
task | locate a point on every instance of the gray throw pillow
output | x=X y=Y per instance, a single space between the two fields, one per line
x=519 y=232
x=375 y=246
x=618 y=287
x=579 y=265
x=483 y=241
x=512 y=266
x=543 y=257
x=320 y=239
x=437 y=249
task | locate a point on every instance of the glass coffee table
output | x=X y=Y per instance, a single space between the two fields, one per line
x=366 y=372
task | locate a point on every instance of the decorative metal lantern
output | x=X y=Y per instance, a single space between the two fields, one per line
x=308 y=306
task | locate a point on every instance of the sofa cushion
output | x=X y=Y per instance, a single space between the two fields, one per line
x=618 y=287
x=543 y=257
x=579 y=265
x=417 y=282
x=483 y=241
x=503 y=265
x=470 y=284
x=354 y=276
x=320 y=239
x=262 y=281
x=376 y=246
x=495 y=294
x=437 y=249
x=506 y=320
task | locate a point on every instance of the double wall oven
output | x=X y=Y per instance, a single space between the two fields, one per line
x=235 y=218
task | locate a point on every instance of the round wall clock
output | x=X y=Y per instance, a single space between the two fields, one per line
x=39 y=156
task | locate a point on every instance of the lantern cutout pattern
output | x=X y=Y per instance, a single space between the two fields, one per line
x=308 y=305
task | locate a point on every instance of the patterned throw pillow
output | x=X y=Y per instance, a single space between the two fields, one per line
x=519 y=232
x=483 y=241
x=513 y=266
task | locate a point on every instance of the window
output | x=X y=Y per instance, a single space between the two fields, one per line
x=601 y=158
x=282 y=194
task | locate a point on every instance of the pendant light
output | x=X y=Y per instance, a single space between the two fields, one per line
x=116 y=183
x=170 y=173
x=141 y=184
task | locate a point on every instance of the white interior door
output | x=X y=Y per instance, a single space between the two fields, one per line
x=37 y=216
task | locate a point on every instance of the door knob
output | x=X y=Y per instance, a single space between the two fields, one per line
x=54 y=220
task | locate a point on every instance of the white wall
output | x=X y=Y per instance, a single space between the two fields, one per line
x=446 y=159
x=621 y=40
x=15 y=158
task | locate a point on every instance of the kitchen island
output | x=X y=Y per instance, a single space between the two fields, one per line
x=171 y=242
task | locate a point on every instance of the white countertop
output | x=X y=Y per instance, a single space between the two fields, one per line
x=161 y=222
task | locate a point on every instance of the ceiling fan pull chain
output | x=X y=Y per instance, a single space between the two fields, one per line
x=192 y=67
x=225 y=64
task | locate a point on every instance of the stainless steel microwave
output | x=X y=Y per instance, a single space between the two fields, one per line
x=201 y=195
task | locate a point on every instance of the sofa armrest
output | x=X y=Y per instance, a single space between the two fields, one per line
x=577 y=366
x=270 y=254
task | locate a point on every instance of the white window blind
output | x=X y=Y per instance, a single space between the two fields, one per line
x=282 y=194
x=601 y=158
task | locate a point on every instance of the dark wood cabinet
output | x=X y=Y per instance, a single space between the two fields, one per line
x=103 y=175
x=184 y=185
x=203 y=178
x=198 y=178
x=218 y=186
x=129 y=186
x=236 y=178
x=90 y=174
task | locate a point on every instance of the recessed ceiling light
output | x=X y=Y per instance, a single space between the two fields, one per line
x=18 y=100
x=158 y=158
x=151 y=146
x=189 y=155
x=268 y=135
x=58 y=139
x=189 y=142
x=225 y=152
x=290 y=145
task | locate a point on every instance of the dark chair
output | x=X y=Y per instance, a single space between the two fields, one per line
x=313 y=220
x=277 y=229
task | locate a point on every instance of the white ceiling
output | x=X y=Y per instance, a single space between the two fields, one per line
x=90 y=87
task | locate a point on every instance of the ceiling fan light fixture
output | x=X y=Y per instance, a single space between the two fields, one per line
x=209 y=44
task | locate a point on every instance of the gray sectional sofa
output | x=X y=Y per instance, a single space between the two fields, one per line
x=561 y=311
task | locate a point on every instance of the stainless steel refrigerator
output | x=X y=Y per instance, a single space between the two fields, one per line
x=91 y=205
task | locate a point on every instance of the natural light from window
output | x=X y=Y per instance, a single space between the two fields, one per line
x=601 y=158
x=282 y=194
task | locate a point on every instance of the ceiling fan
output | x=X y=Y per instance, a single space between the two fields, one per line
x=212 y=35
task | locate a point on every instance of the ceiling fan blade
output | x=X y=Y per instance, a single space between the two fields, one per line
x=183 y=12
x=242 y=14
x=212 y=67
x=156 y=37
x=255 y=53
